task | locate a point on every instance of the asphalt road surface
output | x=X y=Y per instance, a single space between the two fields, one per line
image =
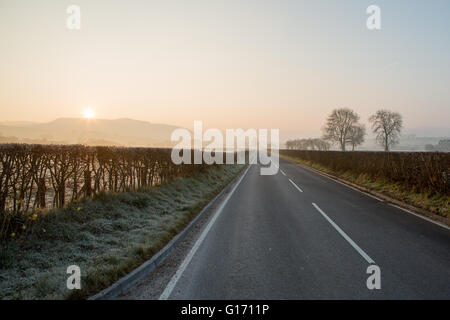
x=300 y=235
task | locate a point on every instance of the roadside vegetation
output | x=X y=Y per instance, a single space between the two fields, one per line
x=342 y=129
x=420 y=179
x=106 y=235
x=38 y=178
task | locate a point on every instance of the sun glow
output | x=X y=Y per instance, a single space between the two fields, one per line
x=88 y=113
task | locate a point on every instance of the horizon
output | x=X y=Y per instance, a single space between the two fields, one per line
x=216 y=152
x=176 y=63
x=407 y=133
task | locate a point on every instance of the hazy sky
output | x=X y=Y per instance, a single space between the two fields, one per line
x=270 y=64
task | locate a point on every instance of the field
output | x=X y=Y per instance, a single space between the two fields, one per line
x=417 y=178
x=105 y=209
x=107 y=235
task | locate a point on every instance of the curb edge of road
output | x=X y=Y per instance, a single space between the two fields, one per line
x=128 y=281
x=418 y=212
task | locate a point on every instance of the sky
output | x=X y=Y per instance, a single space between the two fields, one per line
x=232 y=64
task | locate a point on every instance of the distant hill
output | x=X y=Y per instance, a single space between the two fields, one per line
x=427 y=131
x=411 y=139
x=406 y=143
x=126 y=132
x=17 y=123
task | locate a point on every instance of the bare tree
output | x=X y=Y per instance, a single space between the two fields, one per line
x=387 y=125
x=339 y=125
x=442 y=146
x=322 y=145
x=290 y=144
x=356 y=136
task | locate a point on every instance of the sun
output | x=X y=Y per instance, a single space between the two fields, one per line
x=88 y=113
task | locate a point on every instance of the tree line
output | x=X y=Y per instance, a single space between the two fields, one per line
x=421 y=172
x=342 y=129
x=442 y=146
x=308 y=144
x=45 y=176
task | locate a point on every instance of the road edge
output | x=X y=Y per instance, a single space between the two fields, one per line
x=131 y=279
x=418 y=212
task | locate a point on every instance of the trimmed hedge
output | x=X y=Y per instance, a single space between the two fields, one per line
x=42 y=177
x=422 y=172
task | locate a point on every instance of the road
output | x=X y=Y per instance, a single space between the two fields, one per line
x=301 y=235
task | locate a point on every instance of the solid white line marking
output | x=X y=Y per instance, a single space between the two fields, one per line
x=172 y=283
x=420 y=216
x=346 y=237
x=283 y=172
x=293 y=183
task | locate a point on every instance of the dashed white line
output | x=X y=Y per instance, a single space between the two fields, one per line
x=345 y=236
x=283 y=172
x=337 y=181
x=293 y=183
x=376 y=198
x=172 y=283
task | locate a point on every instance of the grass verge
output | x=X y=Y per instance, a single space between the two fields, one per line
x=435 y=206
x=107 y=237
